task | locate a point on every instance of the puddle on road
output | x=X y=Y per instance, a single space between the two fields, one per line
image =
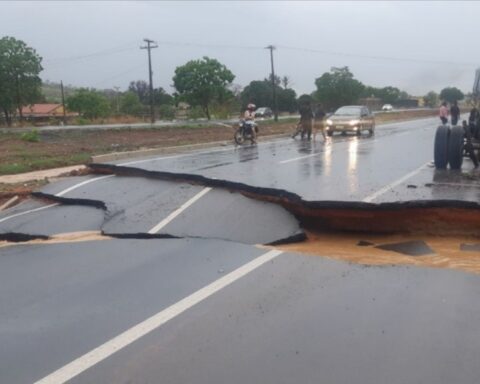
x=356 y=248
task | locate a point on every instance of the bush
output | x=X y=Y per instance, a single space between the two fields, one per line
x=196 y=113
x=81 y=121
x=167 y=112
x=31 y=136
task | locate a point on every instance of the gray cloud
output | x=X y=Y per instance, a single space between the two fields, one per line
x=368 y=36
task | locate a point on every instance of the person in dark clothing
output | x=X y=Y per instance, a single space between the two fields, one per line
x=319 y=121
x=454 y=113
x=306 y=117
x=469 y=145
x=473 y=122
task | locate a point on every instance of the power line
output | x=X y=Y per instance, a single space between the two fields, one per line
x=334 y=53
x=105 y=52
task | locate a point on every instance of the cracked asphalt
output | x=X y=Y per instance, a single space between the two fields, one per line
x=213 y=305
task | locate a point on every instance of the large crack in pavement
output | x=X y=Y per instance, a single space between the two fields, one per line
x=437 y=217
x=329 y=228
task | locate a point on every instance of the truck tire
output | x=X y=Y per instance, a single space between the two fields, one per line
x=440 y=148
x=455 y=147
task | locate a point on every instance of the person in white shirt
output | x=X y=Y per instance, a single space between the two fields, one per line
x=249 y=116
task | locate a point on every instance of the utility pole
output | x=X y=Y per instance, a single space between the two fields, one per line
x=149 y=47
x=275 y=109
x=63 y=104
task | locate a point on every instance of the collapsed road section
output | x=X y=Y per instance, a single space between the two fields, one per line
x=440 y=233
x=437 y=217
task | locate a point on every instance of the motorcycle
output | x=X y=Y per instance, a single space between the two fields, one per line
x=244 y=132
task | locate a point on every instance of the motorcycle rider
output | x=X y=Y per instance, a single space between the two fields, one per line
x=249 y=117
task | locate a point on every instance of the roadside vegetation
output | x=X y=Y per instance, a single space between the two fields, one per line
x=203 y=89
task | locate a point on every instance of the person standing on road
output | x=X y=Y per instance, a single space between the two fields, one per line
x=454 y=113
x=306 y=118
x=443 y=113
x=469 y=149
x=319 y=121
x=473 y=122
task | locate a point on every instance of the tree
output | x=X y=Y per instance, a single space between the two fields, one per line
x=141 y=89
x=337 y=88
x=90 y=104
x=160 y=97
x=287 y=100
x=286 y=82
x=258 y=92
x=201 y=82
x=130 y=104
x=20 y=83
x=451 y=94
x=431 y=99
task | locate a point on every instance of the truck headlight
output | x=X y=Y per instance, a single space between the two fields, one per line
x=329 y=122
x=354 y=122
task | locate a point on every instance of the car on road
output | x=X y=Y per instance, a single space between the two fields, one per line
x=387 y=107
x=263 y=112
x=351 y=118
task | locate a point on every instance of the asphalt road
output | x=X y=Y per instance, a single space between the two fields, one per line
x=212 y=306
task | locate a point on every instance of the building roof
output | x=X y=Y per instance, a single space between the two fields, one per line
x=41 y=109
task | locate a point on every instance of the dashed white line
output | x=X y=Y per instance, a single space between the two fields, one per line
x=58 y=194
x=177 y=212
x=26 y=212
x=119 y=342
x=232 y=148
x=390 y=186
x=82 y=184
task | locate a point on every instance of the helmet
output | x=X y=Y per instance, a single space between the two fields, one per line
x=251 y=106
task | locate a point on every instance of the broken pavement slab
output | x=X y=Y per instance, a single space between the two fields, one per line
x=410 y=248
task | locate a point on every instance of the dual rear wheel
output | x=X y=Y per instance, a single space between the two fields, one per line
x=448 y=147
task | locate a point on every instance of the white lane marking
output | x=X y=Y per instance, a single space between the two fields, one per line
x=82 y=184
x=299 y=158
x=26 y=212
x=390 y=186
x=198 y=153
x=58 y=194
x=119 y=342
x=177 y=212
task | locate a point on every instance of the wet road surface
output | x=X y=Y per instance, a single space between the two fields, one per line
x=213 y=307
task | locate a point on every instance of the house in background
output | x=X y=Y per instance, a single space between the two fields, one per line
x=46 y=113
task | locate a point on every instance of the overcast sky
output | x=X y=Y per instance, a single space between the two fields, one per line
x=416 y=46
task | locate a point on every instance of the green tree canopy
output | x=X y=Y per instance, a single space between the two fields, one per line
x=89 y=103
x=130 y=104
x=431 y=99
x=202 y=82
x=20 y=83
x=337 y=88
x=161 y=97
x=260 y=93
x=451 y=94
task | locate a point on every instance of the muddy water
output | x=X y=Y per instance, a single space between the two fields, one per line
x=71 y=237
x=343 y=246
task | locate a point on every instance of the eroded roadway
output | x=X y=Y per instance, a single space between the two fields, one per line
x=211 y=307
